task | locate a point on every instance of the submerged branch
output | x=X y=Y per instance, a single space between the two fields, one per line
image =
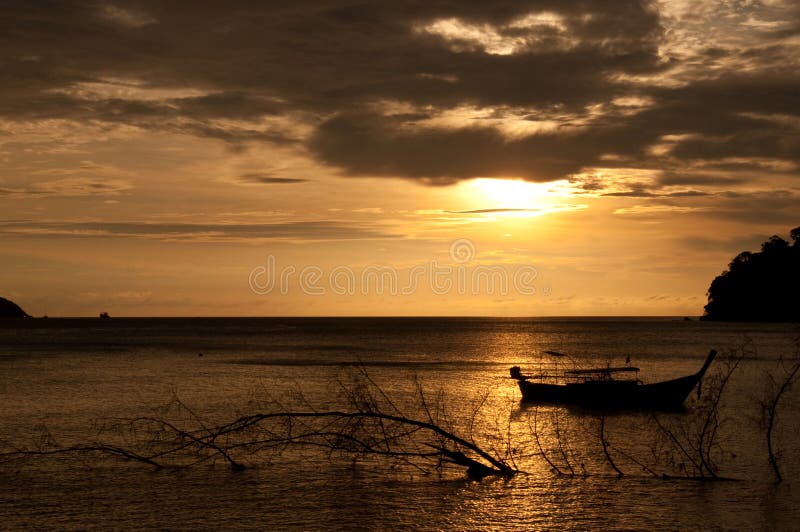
x=695 y=438
x=604 y=443
x=769 y=409
x=77 y=449
x=361 y=433
x=248 y=421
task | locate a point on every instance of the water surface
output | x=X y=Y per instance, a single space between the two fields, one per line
x=64 y=376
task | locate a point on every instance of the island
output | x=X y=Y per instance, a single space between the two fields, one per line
x=9 y=309
x=761 y=286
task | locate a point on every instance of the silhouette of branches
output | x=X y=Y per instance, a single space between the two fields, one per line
x=777 y=387
x=690 y=444
x=604 y=442
x=552 y=441
x=371 y=425
x=421 y=432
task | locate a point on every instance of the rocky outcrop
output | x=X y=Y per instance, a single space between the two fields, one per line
x=9 y=309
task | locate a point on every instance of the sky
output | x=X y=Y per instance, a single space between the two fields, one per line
x=436 y=157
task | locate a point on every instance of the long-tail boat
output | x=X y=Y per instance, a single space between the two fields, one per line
x=603 y=388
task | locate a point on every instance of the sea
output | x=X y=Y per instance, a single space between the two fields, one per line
x=64 y=382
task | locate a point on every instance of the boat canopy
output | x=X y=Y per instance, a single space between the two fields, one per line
x=594 y=371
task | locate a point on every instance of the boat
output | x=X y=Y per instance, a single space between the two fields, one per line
x=602 y=388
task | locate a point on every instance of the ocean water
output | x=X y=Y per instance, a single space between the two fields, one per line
x=67 y=379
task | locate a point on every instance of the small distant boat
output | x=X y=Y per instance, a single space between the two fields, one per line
x=600 y=388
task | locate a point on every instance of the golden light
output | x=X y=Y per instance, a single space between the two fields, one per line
x=509 y=194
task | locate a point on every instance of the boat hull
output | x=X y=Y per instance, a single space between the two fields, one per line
x=629 y=395
x=614 y=394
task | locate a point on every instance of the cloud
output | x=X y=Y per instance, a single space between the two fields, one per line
x=125 y=17
x=489 y=211
x=758 y=208
x=641 y=193
x=267 y=179
x=375 y=145
x=69 y=187
x=656 y=210
x=671 y=178
x=297 y=230
x=557 y=87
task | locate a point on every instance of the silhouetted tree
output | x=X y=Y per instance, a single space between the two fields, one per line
x=761 y=286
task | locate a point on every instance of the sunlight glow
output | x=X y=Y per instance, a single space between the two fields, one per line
x=117 y=88
x=484 y=36
x=532 y=31
x=513 y=124
x=509 y=193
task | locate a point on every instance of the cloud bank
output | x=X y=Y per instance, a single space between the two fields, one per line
x=434 y=91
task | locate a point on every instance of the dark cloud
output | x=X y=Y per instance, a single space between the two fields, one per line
x=237 y=105
x=720 y=120
x=777 y=207
x=267 y=179
x=371 y=144
x=670 y=178
x=323 y=56
x=643 y=193
x=302 y=230
x=335 y=67
x=70 y=187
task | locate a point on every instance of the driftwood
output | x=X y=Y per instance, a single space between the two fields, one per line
x=374 y=426
x=358 y=433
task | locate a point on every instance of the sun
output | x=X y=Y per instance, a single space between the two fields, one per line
x=509 y=193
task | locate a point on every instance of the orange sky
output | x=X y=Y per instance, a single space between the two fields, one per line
x=432 y=158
